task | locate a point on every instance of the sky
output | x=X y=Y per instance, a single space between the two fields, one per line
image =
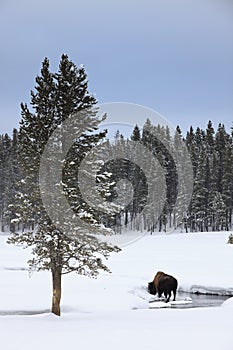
x=173 y=56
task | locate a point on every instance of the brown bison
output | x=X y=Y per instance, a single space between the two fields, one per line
x=163 y=283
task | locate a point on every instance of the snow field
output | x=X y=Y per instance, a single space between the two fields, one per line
x=112 y=312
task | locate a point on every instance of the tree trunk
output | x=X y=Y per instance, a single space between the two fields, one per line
x=56 y=276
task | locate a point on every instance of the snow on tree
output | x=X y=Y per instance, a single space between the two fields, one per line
x=56 y=97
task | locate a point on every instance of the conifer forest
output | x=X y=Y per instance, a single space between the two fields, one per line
x=211 y=205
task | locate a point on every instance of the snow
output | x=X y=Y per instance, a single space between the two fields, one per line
x=113 y=311
x=228 y=303
x=177 y=303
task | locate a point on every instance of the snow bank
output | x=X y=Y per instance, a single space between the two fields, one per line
x=228 y=303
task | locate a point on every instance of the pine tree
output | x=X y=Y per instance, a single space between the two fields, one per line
x=58 y=96
x=199 y=194
x=221 y=140
x=157 y=140
x=210 y=137
x=5 y=172
x=178 y=216
x=136 y=135
x=2 y=185
x=11 y=183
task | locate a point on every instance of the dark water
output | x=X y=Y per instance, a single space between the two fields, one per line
x=201 y=300
x=194 y=301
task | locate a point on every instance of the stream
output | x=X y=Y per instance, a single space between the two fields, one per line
x=200 y=300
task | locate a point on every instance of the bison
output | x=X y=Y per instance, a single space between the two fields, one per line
x=163 y=283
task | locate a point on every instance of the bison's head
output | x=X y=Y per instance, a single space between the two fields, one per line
x=151 y=288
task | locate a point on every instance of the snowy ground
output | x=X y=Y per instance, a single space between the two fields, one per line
x=113 y=312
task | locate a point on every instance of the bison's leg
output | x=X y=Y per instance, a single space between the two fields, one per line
x=169 y=296
x=160 y=292
x=174 y=293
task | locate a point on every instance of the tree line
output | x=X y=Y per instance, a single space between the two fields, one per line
x=211 y=154
x=211 y=206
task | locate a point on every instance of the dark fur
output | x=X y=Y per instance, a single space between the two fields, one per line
x=163 y=283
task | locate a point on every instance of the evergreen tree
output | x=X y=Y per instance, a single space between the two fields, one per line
x=55 y=98
x=136 y=135
x=5 y=172
x=2 y=185
x=210 y=137
x=11 y=183
x=221 y=140
x=179 y=216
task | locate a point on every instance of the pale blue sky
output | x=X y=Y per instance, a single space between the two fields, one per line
x=174 y=56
